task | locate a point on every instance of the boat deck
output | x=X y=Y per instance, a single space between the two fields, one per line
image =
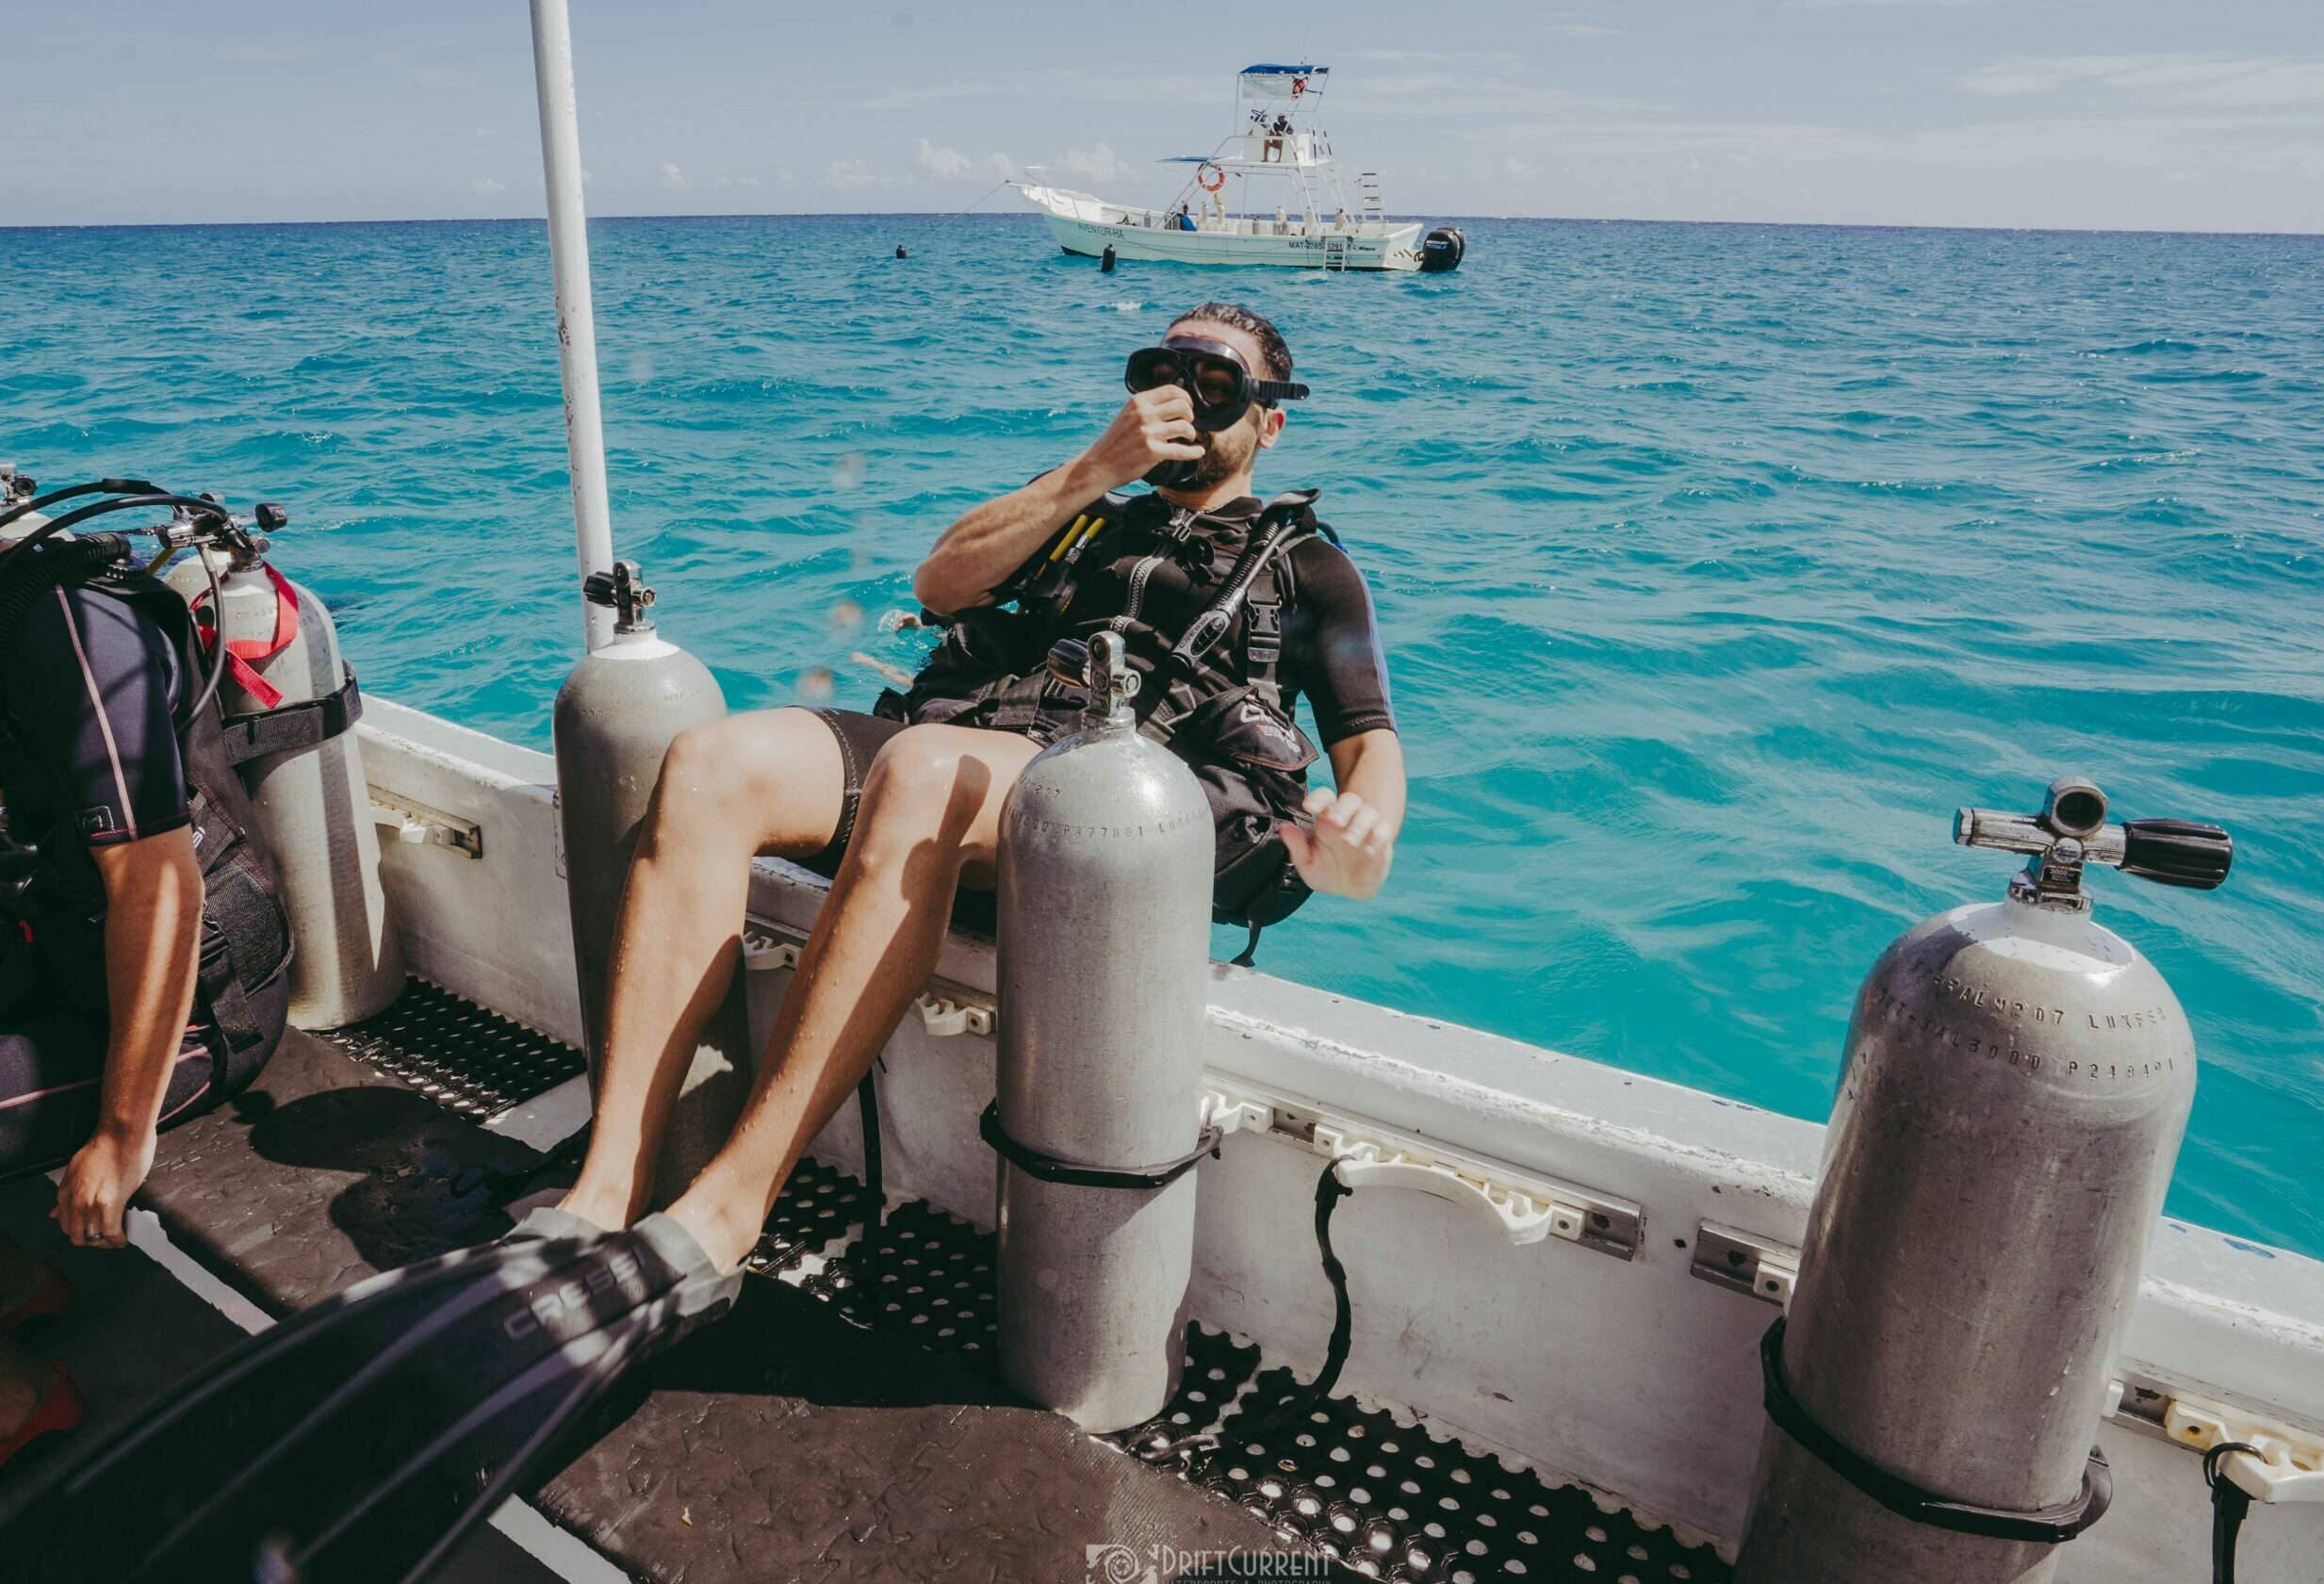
x=843 y=1422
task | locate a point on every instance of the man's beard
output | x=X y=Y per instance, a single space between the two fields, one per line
x=1228 y=453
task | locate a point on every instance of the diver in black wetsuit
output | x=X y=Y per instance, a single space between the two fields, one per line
x=1231 y=611
x=144 y=953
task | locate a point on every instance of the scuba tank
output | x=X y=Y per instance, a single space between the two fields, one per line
x=615 y=716
x=310 y=803
x=2016 y=1082
x=1105 y=933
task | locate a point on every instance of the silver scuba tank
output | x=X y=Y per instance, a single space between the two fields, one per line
x=1105 y=857
x=311 y=805
x=2016 y=1081
x=615 y=716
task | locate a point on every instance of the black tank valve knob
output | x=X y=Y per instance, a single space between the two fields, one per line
x=272 y=519
x=2071 y=831
x=2177 y=853
x=622 y=590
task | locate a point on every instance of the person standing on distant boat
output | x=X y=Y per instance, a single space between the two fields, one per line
x=902 y=807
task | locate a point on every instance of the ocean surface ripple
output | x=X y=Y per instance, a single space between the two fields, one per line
x=1718 y=563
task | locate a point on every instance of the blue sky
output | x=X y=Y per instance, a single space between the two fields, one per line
x=2124 y=113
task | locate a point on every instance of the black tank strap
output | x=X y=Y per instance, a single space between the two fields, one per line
x=291 y=728
x=1049 y=1168
x=2049 y=1526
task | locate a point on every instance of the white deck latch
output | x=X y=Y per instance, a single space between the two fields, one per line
x=763 y=953
x=1522 y=1210
x=1231 y=1110
x=2290 y=1466
x=402 y=820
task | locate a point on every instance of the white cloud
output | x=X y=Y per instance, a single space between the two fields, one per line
x=2178 y=78
x=1003 y=167
x=1093 y=84
x=673 y=179
x=945 y=164
x=1582 y=30
x=1099 y=164
x=1442 y=57
x=485 y=187
x=856 y=176
x=265 y=53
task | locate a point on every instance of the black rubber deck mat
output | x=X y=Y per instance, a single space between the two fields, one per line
x=784 y=1443
x=322 y=1172
x=465 y=1057
x=1388 y=1501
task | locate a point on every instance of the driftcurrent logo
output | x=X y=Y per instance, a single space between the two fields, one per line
x=1115 y=1563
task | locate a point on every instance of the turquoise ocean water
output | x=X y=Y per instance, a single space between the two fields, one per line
x=1717 y=563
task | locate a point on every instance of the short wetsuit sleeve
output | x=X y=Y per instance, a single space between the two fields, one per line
x=1331 y=651
x=90 y=687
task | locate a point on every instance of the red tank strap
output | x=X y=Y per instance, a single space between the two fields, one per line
x=240 y=652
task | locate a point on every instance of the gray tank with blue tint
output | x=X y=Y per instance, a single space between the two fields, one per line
x=1104 y=936
x=2016 y=1080
x=615 y=716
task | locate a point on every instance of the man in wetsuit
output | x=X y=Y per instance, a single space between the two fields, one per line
x=125 y=872
x=903 y=808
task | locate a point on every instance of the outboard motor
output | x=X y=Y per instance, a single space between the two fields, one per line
x=1105 y=942
x=1442 y=250
x=615 y=715
x=2016 y=1082
x=286 y=682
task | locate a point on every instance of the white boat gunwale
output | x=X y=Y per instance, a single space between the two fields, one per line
x=1633 y=1378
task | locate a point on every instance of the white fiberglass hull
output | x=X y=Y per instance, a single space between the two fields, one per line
x=1636 y=1375
x=1086 y=225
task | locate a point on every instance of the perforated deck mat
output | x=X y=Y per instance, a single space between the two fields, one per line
x=465 y=1057
x=1388 y=1500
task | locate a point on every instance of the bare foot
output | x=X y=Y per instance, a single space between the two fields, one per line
x=727 y=1239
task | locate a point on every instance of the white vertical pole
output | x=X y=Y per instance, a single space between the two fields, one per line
x=577 y=333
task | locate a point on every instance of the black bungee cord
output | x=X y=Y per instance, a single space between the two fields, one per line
x=2229 y=1503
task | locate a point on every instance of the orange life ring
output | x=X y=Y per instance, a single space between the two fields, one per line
x=1203 y=181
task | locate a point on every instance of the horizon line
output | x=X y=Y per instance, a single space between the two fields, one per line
x=995 y=214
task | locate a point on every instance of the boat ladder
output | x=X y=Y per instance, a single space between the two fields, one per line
x=1335 y=253
x=1367 y=186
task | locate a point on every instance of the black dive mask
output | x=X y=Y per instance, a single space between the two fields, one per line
x=1212 y=373
x=1215 y=376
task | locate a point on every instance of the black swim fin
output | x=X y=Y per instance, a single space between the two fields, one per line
x=359 y=1441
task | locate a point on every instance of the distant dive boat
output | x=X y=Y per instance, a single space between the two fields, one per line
x=1278 y=159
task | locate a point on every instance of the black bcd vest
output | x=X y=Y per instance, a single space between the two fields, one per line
x=245 y=942
x=1200 y=602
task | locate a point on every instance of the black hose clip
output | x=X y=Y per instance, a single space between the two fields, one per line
x=2049 y=1526
x=1049 y=1168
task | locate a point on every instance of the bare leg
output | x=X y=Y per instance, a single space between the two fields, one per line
x=770 y=781
x=931 y=816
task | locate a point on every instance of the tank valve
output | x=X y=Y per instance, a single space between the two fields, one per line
x=624 y=590
x=1103 y=666
x=2072 y=832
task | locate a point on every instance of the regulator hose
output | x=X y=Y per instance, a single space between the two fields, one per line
x=13 y=589
x=99 y=486
x=57 y=525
